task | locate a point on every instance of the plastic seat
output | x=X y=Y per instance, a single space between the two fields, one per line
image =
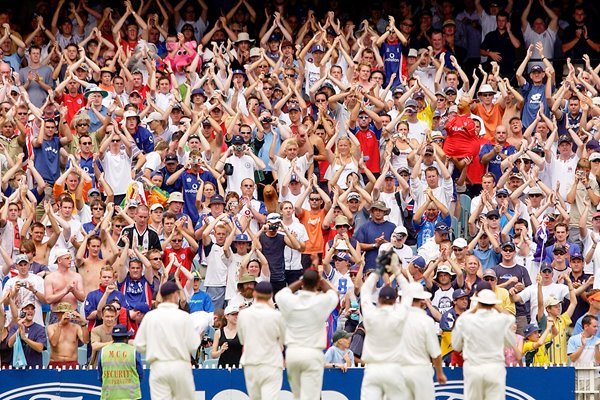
x=210 y=363
x=465 y=205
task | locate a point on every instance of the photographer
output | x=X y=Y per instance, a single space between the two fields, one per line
x=239 y=163
x=65 y=335
x=274 y=237
x=30 y=288
x=33 y=335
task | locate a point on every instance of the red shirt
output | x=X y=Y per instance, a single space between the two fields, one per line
x=462 y=141
x=184 y=256
x=370 y=149
x=73 y=104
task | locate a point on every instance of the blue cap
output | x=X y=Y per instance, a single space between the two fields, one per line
x=242 y=237
x=141 y=307
x=121 y=331
x=237 y=139
x=502 y=191
x=458 y=294
x=442 y=227
x=531 y=328
x=419 y=261
x=343 y=255
x=317 y=47
x=577 y=255
x=387 y=293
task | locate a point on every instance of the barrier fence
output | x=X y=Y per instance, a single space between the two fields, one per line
x=523 y=383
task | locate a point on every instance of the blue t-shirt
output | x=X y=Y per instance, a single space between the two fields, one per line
x=47 y=159
x=489 y=258
x=201 y=301
x=391 y=53
x=549 y=255
x=190 y=183
x=426 y=228
x=368 y=233
x=533 y=95
x=335 y=355
x=176 y=186
x=36 y=333
x=494 y=164
x=579 y=327
x=144 y=140
x=136 y=292
x=263 y=153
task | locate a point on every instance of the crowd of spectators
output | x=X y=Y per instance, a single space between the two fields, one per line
x=219 y=148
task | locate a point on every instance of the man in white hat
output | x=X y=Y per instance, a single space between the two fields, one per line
x=63 y=285
x=481 y=334
x=421 y=347
x=490 y=112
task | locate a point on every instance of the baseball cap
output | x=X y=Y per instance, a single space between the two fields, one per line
x=546 y=267
x=410 y=103
x=593 y=145
x=453 y=109
x=507 y=244
x=196 y=275
x=399 y=89
x=232 y=308
x=449 y=90
x=400 y=230
x=317 y=47
x=502 y=191
x=460 y=242
x=237 y=140
x=536 y=68
x=242 y=237
x=340 y=335
x=293 y=108
x=121 y=331
x=21 y=258
x=535 y=190
x=61 y=253
x=153 y=116
x=141 y=307
x=387 y=293
x=246 y=278
x=551 y=301
x=419 y=262
x=342 y=255
x=175 y=197
x=559 y=248
x=459 y=293
x=442 y=227
x=171 y=158
x=264 y=287
x=93 y=191
x=576 y=255
x=273 y=218
x=448 y=22
x=594 y=156
x=564 y=139
x=168 y=288
x=490 y=272
x=353 y=196
x=156 y=206
x=413 y=53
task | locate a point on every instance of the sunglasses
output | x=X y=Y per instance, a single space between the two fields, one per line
x=315 y=199
x=119 y=226
x=83 y=124
x=508 y=250
x=85 y=143
x=535 y=195
x=492 y=218
x=116 y=140
x=177 y=240
x=98 y=209
x=489 y=278
x=501 y=196
x=245 y=132
x=486 y=94
x=364 y=117
x=457 y=249
x=559 y=253
x=155 y=258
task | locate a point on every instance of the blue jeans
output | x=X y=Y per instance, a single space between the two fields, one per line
x=217 y=295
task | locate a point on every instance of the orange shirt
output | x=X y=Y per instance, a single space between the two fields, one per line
x=313 y=222
x=491 y=119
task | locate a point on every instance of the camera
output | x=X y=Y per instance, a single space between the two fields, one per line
x=195 y=160
x=239 y=147
x=579 y=174
x=22 y=284
x=206 y=342
x=267 y=119
x=273 y=227
x=232 y=205
x=267 y=75
x=22 y=314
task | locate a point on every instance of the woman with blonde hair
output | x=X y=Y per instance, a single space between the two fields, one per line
x=473 y=273
x=344 y=160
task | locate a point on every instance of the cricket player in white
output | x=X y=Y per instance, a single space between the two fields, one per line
x=305 y=314
x=384 y=325
x=261 y=330
x=481 y=334
x=168 y=337
x=420 y=346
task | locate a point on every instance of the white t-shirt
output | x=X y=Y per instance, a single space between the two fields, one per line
x=243 y=168
x=216 y=271
x=292 y=257
x=153 y=161
x=416 y=130
x=233 y=273
x=24 y=296
x=564 y=172
x=557 y=290
x=117 y=169
x=395 y=215
x=283 y=165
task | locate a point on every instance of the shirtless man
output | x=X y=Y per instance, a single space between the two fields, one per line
x=65 y=335
x=63 y=285
x=89 y=267
x=38 y=230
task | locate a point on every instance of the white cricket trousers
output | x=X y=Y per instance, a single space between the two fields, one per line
x=419 y=382
x=171 y=380
x=263 y=381
x=485 y=382
x=381 y=381
x=305 y=372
